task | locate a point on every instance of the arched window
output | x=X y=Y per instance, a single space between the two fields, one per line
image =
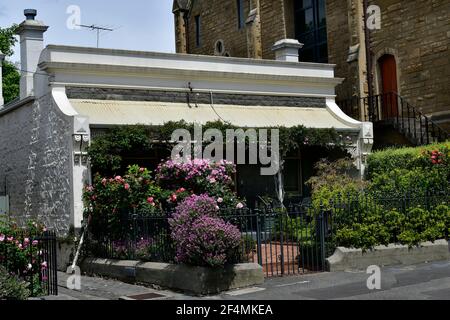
x=311 y=30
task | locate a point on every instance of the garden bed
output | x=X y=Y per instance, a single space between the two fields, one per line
x=189 y=279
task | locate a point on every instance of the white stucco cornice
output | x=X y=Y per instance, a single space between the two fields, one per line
x=110 y=67
x=182 y=61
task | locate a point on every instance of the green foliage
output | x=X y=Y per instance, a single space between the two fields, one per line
x=247 y=249
x=334 y=179
x=417 y=181
x=396 y=206
x=11 y=81
x=107 y=151
x=108 y=199
x=8 y=40
x=403 y=158
x=11 y=287
x=11 y=77
x=397 y=172
x=295 y=229
x=20 y=253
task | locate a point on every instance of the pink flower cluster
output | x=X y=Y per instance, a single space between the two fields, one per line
x=437 y=157
x=201 y=237
x=21 y=245
x=189 y=171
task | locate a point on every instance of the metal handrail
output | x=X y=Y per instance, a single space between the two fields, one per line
x=391 y=107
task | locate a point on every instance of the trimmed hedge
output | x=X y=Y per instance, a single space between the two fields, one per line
x=418 y=172
x=402 y=158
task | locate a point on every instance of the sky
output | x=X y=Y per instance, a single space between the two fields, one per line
x=138 y=24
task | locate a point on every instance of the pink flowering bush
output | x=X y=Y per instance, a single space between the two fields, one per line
x=20 y=252
x=201 y=237
x=143 y=249
x=109 y=198
x=200 y=176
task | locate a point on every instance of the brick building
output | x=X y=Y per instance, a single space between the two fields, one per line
x=409 y=54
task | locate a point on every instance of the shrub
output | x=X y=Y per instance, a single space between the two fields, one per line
x=398 y=204
x=11 y=287
x=397 y=172
x=200 y=236
x=200 y=176
x=407 y=158
x=109 y=198
x=20 y=254
x=334 y=179
x=145 y=249
x=107 y=151
x=417 y=182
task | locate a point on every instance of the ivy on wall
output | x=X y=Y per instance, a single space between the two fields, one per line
x=109 y=149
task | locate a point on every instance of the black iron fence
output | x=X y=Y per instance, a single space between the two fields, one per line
x=293 y=240
x=282 y=242
x=391 y=107
x=35 y=262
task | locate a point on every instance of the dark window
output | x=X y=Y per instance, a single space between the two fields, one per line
x=311 y=30
x=292 y=174
x=240 y=12
x=198 y=31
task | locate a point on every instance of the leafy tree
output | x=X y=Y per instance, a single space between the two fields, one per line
x=11 y=77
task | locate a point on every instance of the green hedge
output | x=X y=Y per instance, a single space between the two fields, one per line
x=402 y=158
x=420 y=172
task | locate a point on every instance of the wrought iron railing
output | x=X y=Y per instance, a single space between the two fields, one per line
x=394 y=109
x=293 y=240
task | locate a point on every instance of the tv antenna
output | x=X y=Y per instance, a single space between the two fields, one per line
x=97 y=29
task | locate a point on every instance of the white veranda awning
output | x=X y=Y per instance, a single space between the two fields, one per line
x=114 y=112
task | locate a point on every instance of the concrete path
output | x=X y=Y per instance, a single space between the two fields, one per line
x=423 y=282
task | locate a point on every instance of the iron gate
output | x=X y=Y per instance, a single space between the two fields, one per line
x=289 y=242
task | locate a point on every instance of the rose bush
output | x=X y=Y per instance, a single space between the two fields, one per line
x=20 y=252
x=110 y=200
x=201 y=237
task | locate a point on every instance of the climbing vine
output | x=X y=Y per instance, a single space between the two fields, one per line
x=109 y=149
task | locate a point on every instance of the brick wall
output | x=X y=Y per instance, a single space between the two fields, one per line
x=219 y=20
x=338 y=30
x=418 y=34
x=273 y=25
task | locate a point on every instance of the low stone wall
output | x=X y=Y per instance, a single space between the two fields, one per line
x=345 y=259
x=190 y=279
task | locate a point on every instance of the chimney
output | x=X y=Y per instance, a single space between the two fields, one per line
x=2 y=100
x=31 y=34
x=287 y=50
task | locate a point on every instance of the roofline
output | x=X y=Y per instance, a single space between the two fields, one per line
x=14 y=105
x=190 y=57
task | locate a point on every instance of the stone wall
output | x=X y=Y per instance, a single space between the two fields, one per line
x=35 y=163
x=339 y=43
x=219 y=20
x=273 y=25
x=199 y=98
x=417 y=33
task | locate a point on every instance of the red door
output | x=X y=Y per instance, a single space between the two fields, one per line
x=388 y=69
